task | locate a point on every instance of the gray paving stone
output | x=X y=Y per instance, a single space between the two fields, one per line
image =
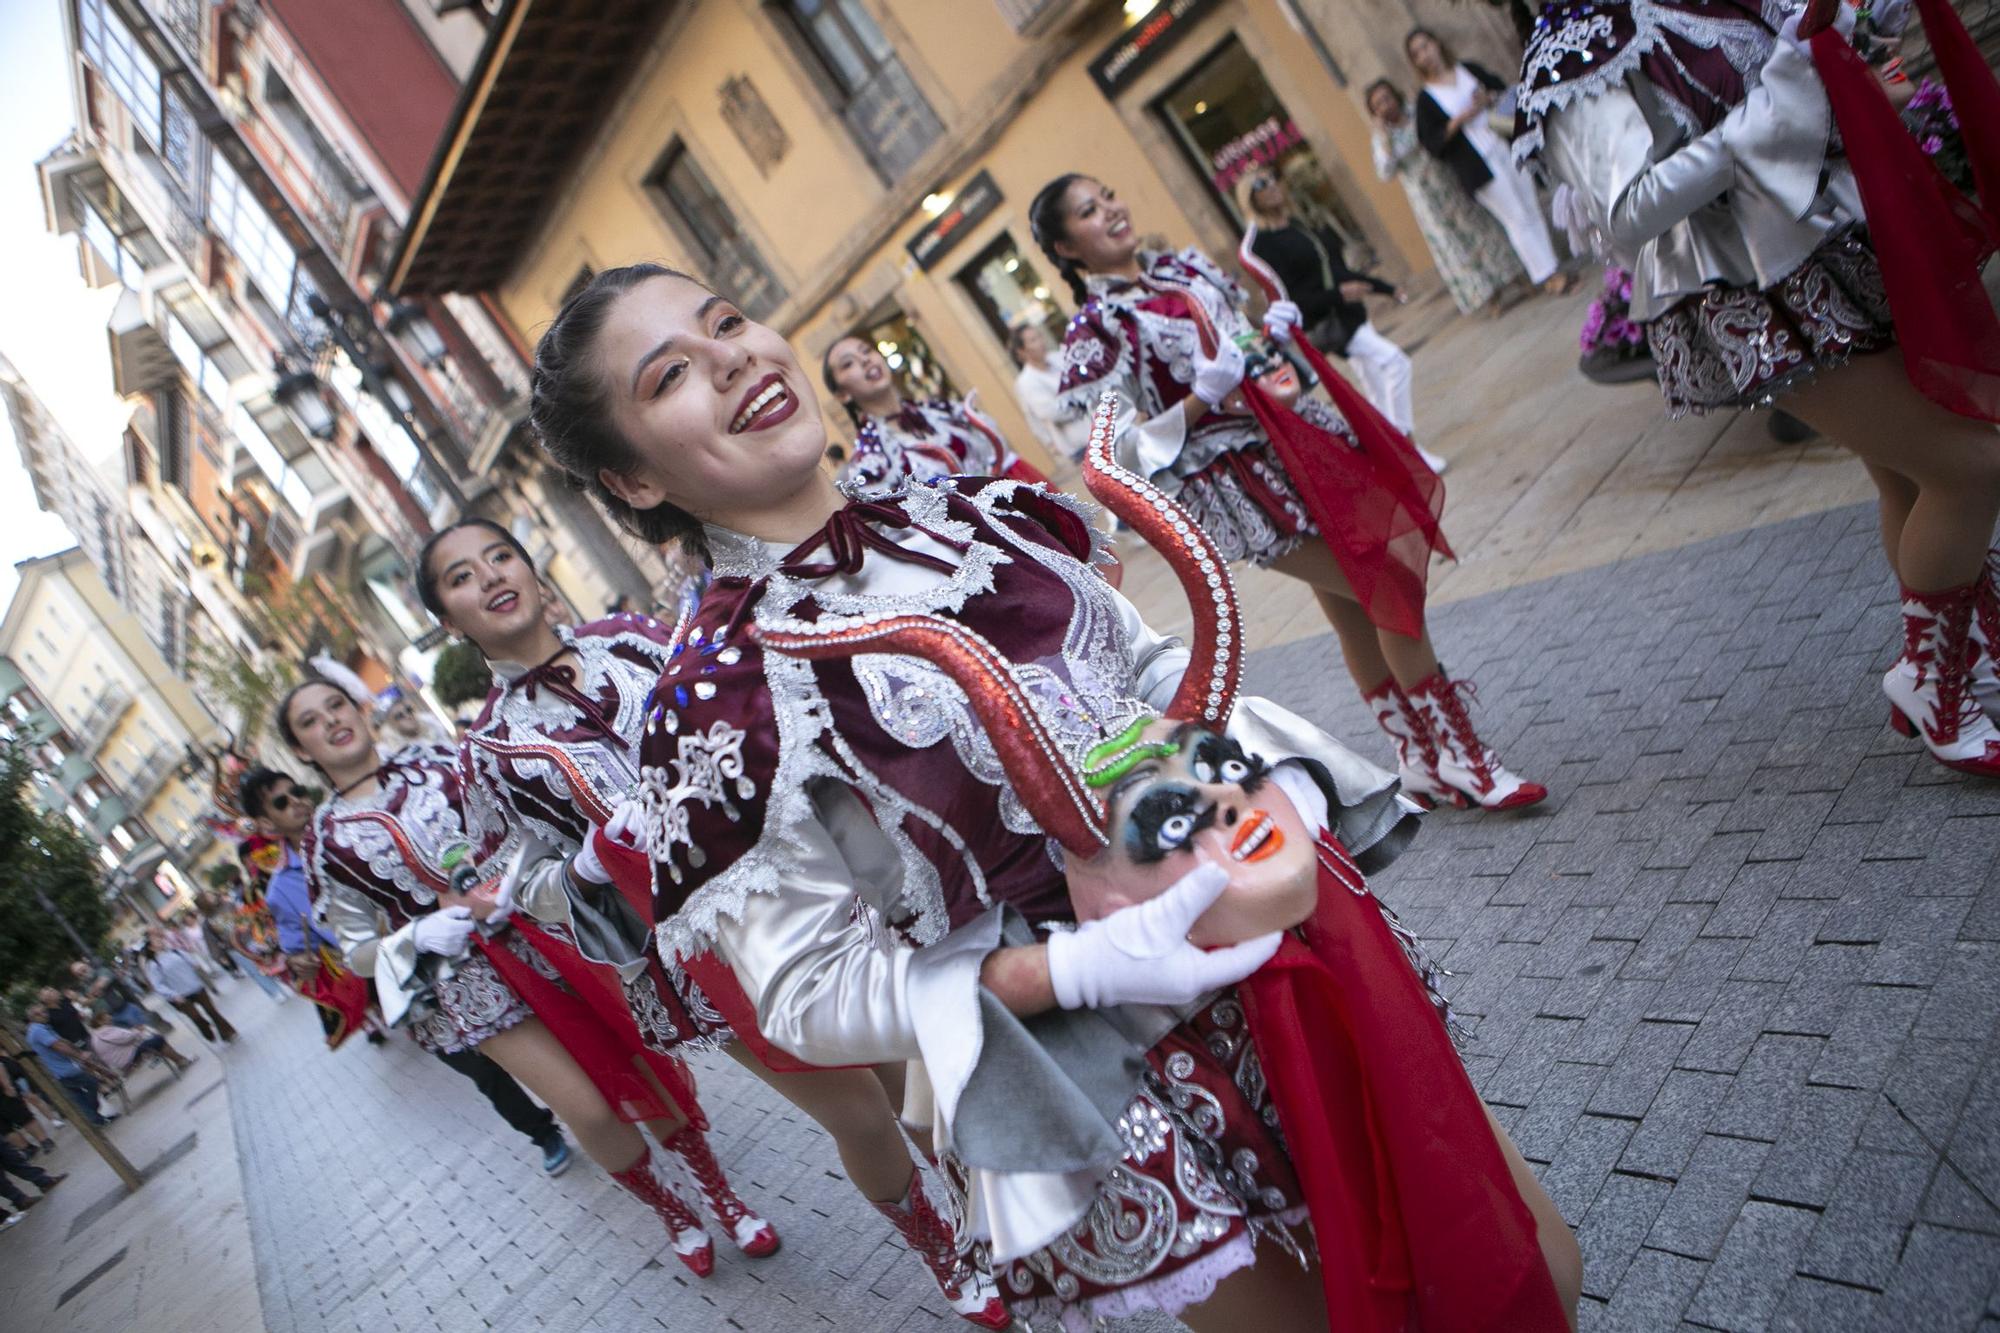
x=1861 y=1234
x=1707 y=1197
x=1811 y=1305
x=1615 y=1227
x=1656 y=1289
x=1745 y=1284
x=1674 y=1123
x=1807 y=1163
x=1945 y=1280
x=1642 y=1064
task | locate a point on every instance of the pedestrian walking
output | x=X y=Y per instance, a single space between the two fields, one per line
x=15 y=1163
x=1286 y=482
x=174 y=975
x=381 y=857
x=1472 y=254
x=67 y=1064
x=17 y=1118
x=1310 y=265
x=1452 y=124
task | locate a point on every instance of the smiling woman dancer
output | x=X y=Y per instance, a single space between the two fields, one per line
x=1139 y=332
x=380 y=859
x=898 y=440
x=791 y=807
x=559 y=737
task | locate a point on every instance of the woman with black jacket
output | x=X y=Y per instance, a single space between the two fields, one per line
x=1452 y=126
x=1309 y=261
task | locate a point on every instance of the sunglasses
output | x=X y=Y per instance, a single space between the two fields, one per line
x=279 y=801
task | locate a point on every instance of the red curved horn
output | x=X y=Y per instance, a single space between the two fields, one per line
x=1253 y=264
x=1207 y=692
x=1044 y=777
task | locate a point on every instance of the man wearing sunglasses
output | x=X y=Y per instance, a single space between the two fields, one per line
x=282 y=811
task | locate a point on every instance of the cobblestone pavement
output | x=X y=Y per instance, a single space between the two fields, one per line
x=1734 y=990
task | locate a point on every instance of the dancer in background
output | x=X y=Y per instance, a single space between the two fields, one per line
x=1313 y=273
x=1697 y=142
x=1452 y=125
x=897 y=440
x=560 y=735
x=1140 y=333
x=383 y=854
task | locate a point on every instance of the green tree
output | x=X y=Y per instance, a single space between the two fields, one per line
x=461 y=675
x=42 y=855
x=247 y=691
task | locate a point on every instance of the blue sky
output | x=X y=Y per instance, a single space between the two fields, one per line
x=51 y=325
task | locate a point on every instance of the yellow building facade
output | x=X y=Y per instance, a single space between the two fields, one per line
x=867 y=165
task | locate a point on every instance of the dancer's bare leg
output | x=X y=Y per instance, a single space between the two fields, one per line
x=1372 y=653
x=531 y=1053
x=851 y=1106
x=1870 y=408
x=1897 y=495
x=675 y=1120
x=1559 y=1247
x=1274 y=1295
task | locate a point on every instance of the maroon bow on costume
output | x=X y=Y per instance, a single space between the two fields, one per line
x=1930 y=239
x=849 y=535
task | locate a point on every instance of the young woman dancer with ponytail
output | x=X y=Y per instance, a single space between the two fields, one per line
x=897 y=440
x=555 y=748
x=387 y=859
x=1164 y=332
x=1096 y=1089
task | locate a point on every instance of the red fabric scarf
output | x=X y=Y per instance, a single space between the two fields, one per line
x=342 y=993
x=1376 y=503
x=594 y=1024
x=1930 y=239
x=1418 y=1223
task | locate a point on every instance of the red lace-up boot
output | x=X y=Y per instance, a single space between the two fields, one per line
x=1465 y=764
x=969 y=1292
x=691 y=1244
x=1416 y=752
x=1986 y=637
x=752 y=1234
x=1930 y=687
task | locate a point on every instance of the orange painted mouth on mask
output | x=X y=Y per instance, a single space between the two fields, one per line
x=1259 y=839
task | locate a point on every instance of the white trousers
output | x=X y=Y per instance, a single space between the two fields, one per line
x=1385 y=375
x=1510 y=198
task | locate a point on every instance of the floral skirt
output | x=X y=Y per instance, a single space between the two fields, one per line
x=474 y=1003
x=1246 y=504
x=1735 y=347
x=1205 y=1178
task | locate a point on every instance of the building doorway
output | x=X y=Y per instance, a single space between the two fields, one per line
x=1010 y=291
x=1228 y=121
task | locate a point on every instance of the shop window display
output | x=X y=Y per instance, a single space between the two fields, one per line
x=1010 y=291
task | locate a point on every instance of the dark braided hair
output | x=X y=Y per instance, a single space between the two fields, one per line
x=854 y=413
x=427 y=587
x=1048 y=220
x=568 y=409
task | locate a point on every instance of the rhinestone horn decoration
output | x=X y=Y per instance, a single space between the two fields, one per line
x=1207 y=692
x=1055 y=794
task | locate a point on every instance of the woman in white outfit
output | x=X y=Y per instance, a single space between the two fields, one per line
x=1452 y=126
x=1063 y=432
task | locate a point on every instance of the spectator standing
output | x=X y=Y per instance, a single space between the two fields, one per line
x=1472 y=254
x=65 y=1062
x=173 y=974
x=1062 y=432
x=1452 y=125
x=17 y=1120
x=13 y=1162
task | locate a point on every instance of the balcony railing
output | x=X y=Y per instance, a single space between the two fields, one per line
x=105 y=712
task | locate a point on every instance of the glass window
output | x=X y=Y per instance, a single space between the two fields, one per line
x=888 y=116
x=289 y=485
x=267 y=257
x=205 y=374
x=731 y=262
x=110 y=46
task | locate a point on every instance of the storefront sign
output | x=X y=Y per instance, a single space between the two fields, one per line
x=1140 y=45
x=979 y=198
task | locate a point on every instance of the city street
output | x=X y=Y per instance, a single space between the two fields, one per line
x=1733 y=989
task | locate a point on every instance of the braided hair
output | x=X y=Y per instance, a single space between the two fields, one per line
x=1048 y=221
x=568 y=408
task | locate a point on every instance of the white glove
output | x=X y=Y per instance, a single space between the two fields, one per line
x=1280 y=318
x=503 y=904
x=623 y=829
x=1217 y=377
x=585 y=865
x=1141 y=955
x=447 y=933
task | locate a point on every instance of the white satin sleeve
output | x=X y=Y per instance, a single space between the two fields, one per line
x=1158 y=660
x=361 y=928
x=1152 y=446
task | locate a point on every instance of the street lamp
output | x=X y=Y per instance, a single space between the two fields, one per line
x=300 y=393
x=408 y=323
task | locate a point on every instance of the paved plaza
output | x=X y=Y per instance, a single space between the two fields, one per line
x=1734 y=989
